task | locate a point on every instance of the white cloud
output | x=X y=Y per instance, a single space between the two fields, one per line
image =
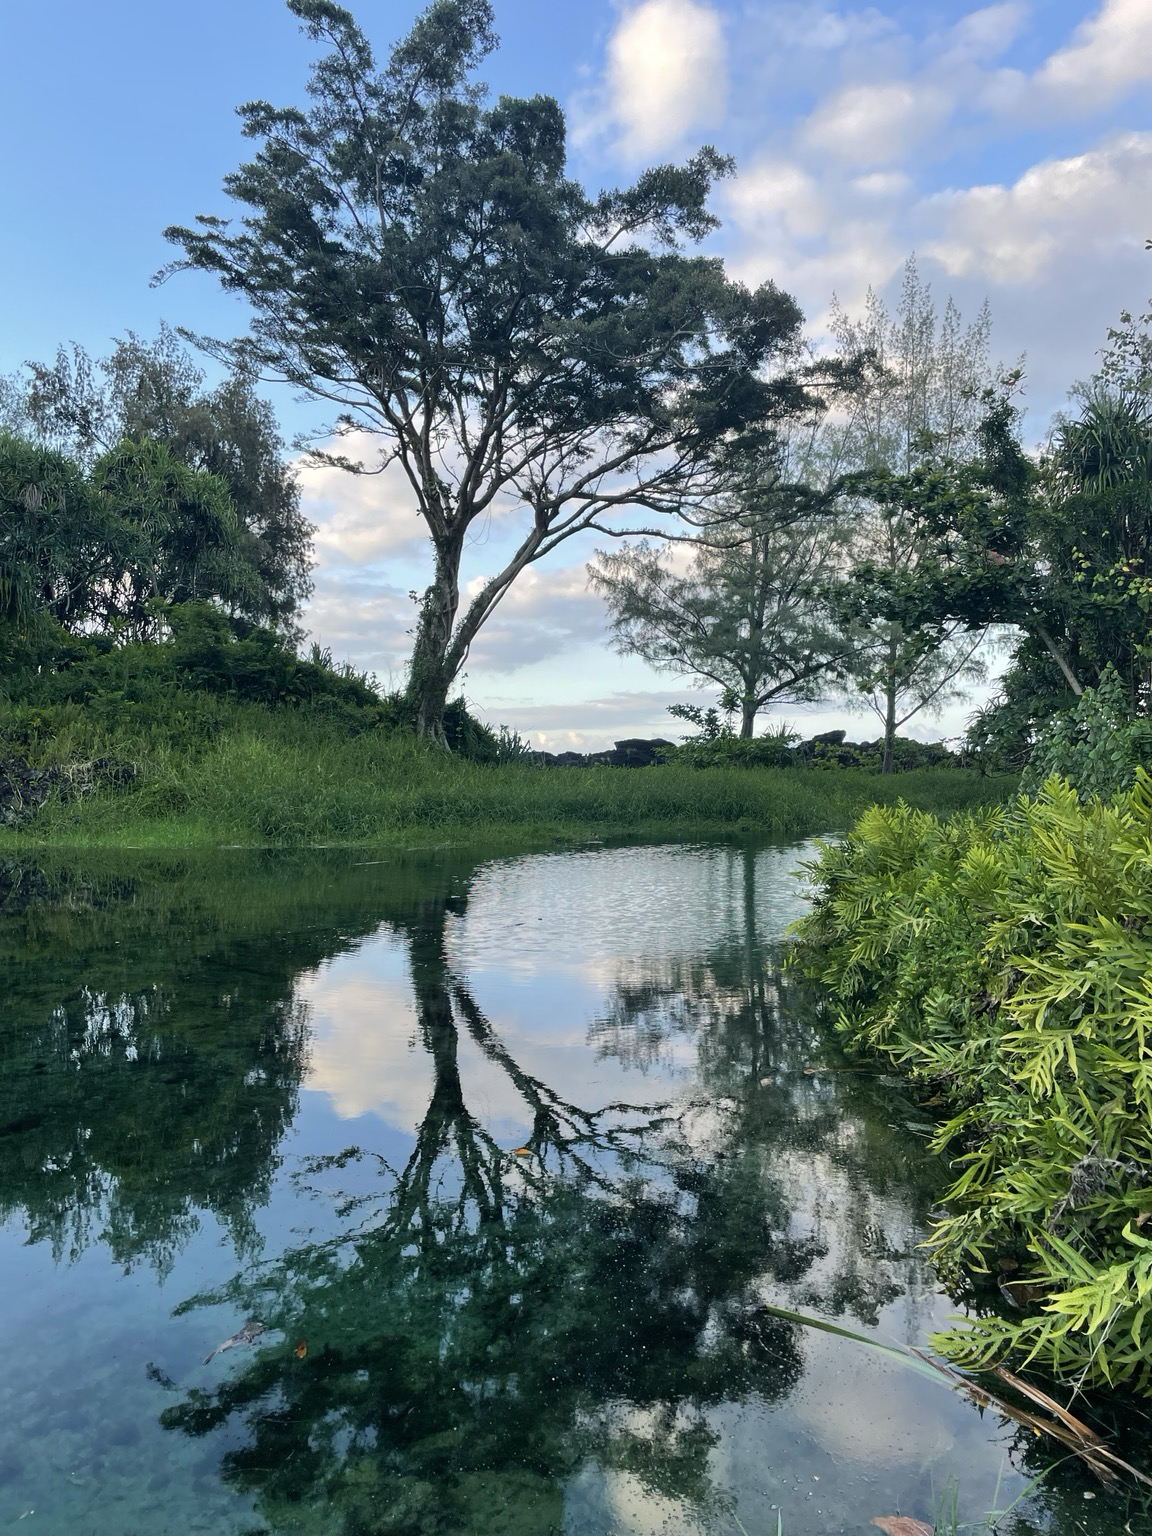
x=1078 y=207
x=876 y=124
x=801 y=27
x=545 y=613
x=985 y=34
x=816 y=233
x=360 y=518
x=666 y=73
x=778 y=195
x=362 y=619
x=1108 y=56
x=593 y=725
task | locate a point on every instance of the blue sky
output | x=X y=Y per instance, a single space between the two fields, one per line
x=1009 y=145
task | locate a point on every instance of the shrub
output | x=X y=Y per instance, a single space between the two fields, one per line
x=1004 y=960
x=1097 y=745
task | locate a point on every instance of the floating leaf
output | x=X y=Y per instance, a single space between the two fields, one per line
x=901 y=1525
x=301 y=1349
x=521 y=1151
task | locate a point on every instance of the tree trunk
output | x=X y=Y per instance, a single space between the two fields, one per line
x=1060 y=659
x=432 y=674
x=890 y=709
x=747 y=717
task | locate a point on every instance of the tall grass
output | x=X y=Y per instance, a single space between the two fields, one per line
x=285 y=779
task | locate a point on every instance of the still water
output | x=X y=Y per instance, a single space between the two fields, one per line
x=501 y=1160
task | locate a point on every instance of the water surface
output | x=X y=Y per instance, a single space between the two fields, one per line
x=506 y=1158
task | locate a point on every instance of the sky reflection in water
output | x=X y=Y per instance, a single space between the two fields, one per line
x=299 y=1088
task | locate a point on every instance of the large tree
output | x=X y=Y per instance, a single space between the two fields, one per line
x=154 y=390
x=417 y=256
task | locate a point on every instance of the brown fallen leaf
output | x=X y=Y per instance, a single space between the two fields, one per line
x=1143 y=1217
x=901 y=1525
x=521 y=1151
x=301 y=1349
x=1042 y=1400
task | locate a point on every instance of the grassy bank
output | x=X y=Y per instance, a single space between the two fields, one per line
x=1004 y=961
x=258 y=777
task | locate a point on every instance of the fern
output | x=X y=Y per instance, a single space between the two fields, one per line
x=1005 y=958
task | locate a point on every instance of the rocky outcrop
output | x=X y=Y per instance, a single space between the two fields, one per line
x=636 y=752
x=24 y=789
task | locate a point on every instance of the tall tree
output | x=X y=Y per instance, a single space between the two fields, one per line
x=97 y=549
x=747 y=604
x=154 y=390
x=920 y=400
x=1085 y=569
x=59 y=543
x=418 y=257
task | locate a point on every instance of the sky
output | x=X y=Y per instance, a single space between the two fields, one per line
x=1009 y=146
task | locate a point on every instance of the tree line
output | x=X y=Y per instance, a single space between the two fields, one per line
x=788 y=527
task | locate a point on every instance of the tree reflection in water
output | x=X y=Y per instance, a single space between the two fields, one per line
x=479 y=1341
x=490 y=1322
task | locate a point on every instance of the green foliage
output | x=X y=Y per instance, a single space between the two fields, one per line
x=716 y=745
x=205 y=653
x=212 y=768
x=1002 y=959
x=61 y=543
x=154 y=391
x=1096 y=746
x=98 y=547
x=771 y=750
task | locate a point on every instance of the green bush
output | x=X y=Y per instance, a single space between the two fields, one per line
x=205 y=653
x=1003 y=959
x=772 y=750
x=716 y=746
x=1097 y=745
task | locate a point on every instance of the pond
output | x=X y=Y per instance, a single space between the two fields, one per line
x=496 y=1167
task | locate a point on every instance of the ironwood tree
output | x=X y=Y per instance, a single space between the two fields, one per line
x=748 y=603
x=417 y=256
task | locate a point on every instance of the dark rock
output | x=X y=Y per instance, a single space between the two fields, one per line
x=637 y=752
x=833 y=738
x=24 y=789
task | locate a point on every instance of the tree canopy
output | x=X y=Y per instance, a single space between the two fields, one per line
x=154 y=391
x=98 y=550
x=746 y=605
